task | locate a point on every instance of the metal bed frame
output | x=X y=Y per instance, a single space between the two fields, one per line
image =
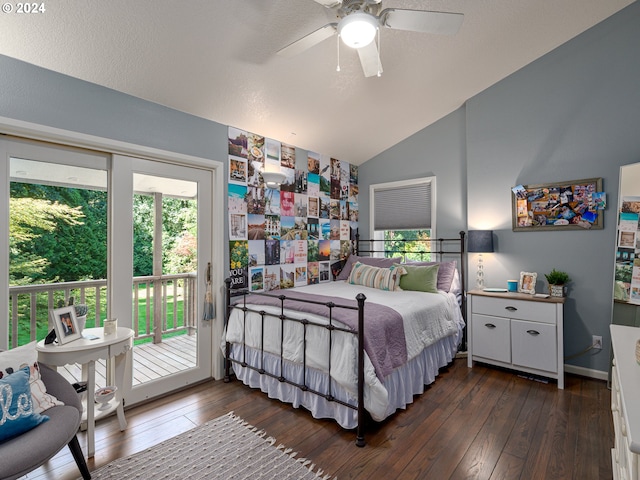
x=441 y=252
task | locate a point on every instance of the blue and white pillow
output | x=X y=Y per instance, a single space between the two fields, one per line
x=16 y=407
x=26 y=356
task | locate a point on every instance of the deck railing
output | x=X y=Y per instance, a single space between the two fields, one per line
x=30 y=305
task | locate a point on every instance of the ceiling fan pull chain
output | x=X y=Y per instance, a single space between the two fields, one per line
x=338 y=49
x=379 y=63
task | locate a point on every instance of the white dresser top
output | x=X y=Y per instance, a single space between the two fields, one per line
x=624 y=350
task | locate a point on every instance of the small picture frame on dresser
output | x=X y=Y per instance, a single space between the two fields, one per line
x=527 y=282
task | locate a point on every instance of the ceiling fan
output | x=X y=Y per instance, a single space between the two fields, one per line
x=360 y=21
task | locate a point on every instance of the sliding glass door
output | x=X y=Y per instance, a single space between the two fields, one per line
x=167 y=231
x=57 y=236
x=128 y=238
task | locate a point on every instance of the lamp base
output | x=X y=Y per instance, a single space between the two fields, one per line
x=480 y=273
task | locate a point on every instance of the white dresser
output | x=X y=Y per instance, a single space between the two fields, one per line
x=517 y=331
x=625 y=403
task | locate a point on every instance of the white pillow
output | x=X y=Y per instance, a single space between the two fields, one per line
x=14 y=359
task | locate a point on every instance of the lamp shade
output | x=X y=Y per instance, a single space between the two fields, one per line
x=480 y=241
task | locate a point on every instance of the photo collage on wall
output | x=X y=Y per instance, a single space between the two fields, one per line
x=293 y=234
x=577 y=204
x=627 y=273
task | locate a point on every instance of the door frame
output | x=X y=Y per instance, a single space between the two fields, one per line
x=121 y=274
x=33 y=131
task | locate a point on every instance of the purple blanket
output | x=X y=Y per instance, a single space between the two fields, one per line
x=384 y=339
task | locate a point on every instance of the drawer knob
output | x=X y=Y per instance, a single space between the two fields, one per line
x=510 y=308
x=489 y=325
x=533 y=332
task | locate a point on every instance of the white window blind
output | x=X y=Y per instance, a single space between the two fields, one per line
x=403 y=207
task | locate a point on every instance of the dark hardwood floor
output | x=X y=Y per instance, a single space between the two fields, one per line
x=480 y=423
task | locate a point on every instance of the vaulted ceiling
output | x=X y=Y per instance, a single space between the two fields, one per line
x=217 y=59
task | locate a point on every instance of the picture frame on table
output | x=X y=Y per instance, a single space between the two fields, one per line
x=527 y=282
x=65 y=324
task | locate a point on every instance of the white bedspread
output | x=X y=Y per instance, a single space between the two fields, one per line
x=427 y=318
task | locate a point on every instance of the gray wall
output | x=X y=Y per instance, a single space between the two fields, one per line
x=40 y=96
x=570 y=115
x=435 y=151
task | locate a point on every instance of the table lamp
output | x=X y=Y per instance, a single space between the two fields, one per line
x=480 y=241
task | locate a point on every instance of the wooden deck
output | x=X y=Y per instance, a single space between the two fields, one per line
x=150 y=361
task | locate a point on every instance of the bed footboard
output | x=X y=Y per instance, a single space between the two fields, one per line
x=238 y=300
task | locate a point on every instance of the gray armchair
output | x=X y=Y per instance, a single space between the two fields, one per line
x=30 y=450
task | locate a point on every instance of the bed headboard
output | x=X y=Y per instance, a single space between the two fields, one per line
x=438 y=249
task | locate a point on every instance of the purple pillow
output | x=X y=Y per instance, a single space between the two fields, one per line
x=373 y=261
x=446 y=273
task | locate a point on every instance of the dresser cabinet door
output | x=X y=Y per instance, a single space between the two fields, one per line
x=533 y=345
x=491 y=338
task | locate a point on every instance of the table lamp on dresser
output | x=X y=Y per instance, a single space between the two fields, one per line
x=480 y=241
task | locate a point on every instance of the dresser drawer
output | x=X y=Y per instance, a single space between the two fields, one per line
x=491 y=338
x=513 y=308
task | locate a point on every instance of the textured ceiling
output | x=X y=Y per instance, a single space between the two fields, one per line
x=216 y=59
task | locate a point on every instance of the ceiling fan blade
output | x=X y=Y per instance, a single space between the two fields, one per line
x=370 y=60
x=309 y=41
x=329 y=3
x=421 y=21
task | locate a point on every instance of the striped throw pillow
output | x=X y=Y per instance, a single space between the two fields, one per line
x=376 y=277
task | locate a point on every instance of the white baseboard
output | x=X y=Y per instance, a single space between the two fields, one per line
x=586 y=372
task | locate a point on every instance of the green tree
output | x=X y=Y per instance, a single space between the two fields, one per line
x=412 y=244
x=142 y=235
x=179 y=235
x=29 y=220
x=74 y=251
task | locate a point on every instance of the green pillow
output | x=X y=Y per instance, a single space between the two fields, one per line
x=420 y=278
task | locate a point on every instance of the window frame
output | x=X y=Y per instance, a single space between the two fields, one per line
x=399 y=185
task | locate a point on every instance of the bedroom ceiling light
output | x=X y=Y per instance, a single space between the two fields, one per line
x=480 y=241
x=358 y=29
x=273 y=179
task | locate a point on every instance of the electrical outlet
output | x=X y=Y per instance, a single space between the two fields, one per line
x=596 y=341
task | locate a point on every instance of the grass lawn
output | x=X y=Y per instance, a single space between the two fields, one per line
x=42 y=315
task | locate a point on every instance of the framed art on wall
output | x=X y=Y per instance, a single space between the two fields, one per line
x=571 y=205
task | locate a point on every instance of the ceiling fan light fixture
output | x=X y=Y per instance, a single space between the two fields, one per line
x=358 y=29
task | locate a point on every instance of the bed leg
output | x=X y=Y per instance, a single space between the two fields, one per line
x=360 y=430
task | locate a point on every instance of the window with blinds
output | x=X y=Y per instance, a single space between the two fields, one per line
x=403 y=216
x=403 y=207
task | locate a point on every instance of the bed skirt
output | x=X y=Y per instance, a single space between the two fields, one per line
x=398 y=388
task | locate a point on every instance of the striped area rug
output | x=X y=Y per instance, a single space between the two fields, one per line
x=226 y=447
